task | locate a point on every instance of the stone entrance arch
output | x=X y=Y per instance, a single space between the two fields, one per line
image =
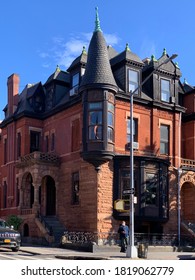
x=27 y=191
x=188 y=197
x=48 y=196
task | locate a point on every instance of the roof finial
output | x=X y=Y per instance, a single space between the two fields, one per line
x=84 y=50
x=153 y=58
x=177 y=65
x=58 y=68
x=97 y=21
x=164 y=52
x=127 y=47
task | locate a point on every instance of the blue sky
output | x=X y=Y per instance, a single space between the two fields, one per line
x=38 y=35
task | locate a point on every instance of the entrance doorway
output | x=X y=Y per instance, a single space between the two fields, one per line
x=187 y=202
x=50 y=196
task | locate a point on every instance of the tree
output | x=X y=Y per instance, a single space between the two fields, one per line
x=14 y=221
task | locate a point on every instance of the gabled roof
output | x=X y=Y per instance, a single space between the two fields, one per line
x=127 y=55
x=59 y=75
x=32 y=88
x=169 y=68
x=187 y=87
x=111 y=52
x=81 y=59
x=28 y=92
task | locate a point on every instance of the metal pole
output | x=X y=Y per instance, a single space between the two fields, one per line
x=131 y=249
x=178 y=183
x=178 y=198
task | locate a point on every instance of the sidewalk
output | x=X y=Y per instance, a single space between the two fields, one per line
x=157 y=253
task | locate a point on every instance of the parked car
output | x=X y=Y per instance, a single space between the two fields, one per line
x=9 y=237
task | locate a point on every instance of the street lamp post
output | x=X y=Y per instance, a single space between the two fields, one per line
x=131 y=249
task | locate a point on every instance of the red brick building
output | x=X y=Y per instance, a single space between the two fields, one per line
x=65 y=146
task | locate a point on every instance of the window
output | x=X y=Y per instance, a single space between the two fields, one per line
x=49 y=99
x=34 y=141
x=151 y=189
x=165 y=90
x=75 y=135
x=5 y=150
x=47 y=143
x=38 y=103
x=75 y=84
x=82 y=71
x=135 y=130
x=125 y=184
x=52 y=141
x=75 y=80
x=95 y=121
x=18 y=144
x=164 y=139
x=4 y=194
x=17 y=192
x=133 y=81
x=110 y=122
x=75 y=188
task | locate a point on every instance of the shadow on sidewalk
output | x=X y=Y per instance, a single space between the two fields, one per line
x=186 y=257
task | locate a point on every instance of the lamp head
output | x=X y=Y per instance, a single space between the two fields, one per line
x=173 y=56
x=170 y=58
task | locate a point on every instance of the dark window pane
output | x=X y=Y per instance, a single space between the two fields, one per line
x=151 y=189
x=34 y=141
x=75 y=188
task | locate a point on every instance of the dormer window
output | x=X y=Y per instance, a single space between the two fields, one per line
x=133 y=78
x=165 y=90
x=38 y=103
x=75 y=80
x=82 y=71
x=75 y=84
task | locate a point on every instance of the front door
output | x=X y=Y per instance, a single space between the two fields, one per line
x=50 y=196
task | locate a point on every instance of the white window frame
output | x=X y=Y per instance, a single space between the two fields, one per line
x=133 y=83
x=165 y=90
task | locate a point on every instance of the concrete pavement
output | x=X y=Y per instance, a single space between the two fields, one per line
x=154 y=253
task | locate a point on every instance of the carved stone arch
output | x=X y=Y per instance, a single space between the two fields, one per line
x=26 y=190
x=48 y=195
x=52 y=173
x=36 y=178
x=187 y=177
x=187 y=185
x=23 y=178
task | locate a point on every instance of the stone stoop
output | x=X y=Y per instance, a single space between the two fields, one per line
x=57 y=228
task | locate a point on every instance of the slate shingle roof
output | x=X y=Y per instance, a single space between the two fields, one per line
x=98 y=69
x=127 y=55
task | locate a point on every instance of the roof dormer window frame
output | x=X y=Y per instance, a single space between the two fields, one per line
x=133 y=79
x=75 y=79
x=165 y=89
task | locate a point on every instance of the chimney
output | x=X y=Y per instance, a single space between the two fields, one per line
x=13 y=93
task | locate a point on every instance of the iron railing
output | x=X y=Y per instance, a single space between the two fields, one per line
x=112 y=238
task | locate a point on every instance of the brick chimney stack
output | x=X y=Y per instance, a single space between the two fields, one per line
x=13 y=93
